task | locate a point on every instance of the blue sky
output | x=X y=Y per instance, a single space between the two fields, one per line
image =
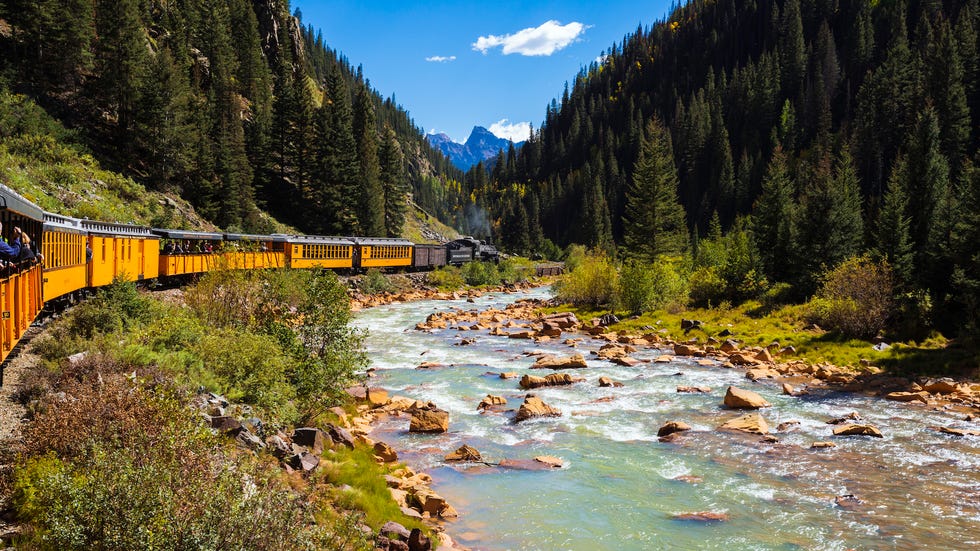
x=455 y=65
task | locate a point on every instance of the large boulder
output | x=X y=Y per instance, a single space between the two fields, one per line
x=751 y=423
x=555 y=379
x=535 y=407
x=738 y=398
x=310 y=437
x=857 y=430
x=575 y=361
x=429 y=419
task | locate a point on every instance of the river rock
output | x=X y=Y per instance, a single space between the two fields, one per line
x=694 y=389
x=941 y=386
x=664 y=359
x=751 y=423
x=957 y=432
x=626 y=361
x=857 y=430
x=671 y=427
x=464 y=453
x=341 y=436
x=764 y=356
x=738 y=398
x=575 y=361
x=742 y=359
x=491 y=402
x=555 y=379
x=550 y=461
x=922 y=396
x=822 y=445
x=376 y=396
x=788 y=389
x=429 y=419
x=702 y=516
x=312 y=438
x=686 y=350
x=386 y=453
x=392 y=527
x=607 y=382
x=526 y=334
x=508 y=375
x=852 y=416
x=417 y=541
x=760 y=373
x=729 y=346
x=535 y=407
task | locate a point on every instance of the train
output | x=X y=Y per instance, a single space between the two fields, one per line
x=75 y=255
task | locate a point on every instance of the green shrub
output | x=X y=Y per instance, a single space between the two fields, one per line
x=375 y=283
x=448 y=278
x=647 y=287
x=480 y=273
x=574 y=256
x=593 y=282
x=855 y=298
x=707 y=286
x=516 y=270
x=118 y=306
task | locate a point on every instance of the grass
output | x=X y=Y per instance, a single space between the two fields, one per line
x=753 y=325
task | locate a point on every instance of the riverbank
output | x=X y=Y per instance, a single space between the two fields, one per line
x=460 y=354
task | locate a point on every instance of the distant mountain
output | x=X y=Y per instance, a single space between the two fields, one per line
x=482 y=145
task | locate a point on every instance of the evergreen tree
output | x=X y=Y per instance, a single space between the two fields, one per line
x=773 y=216
x=371 y=211
x=966 y=243
x=336 y=183
x=654 y=219
x=894 y=241
x=121 y=63
x=393 y=183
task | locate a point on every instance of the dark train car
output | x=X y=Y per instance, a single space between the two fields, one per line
x=468 y=249
x=21 y=293
x=426 y=257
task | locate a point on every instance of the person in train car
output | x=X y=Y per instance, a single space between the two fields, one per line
x=10 y=251
x=27 y=253
x=169 y=247
x=208 y=247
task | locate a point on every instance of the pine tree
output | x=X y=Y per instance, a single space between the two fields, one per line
x=773 y=216
x=393 y=183
x=894 y=241
x=371 y=210
x=121 y=62
x=654 y=223
x=966 y=243
x=336 y=181
x=945 y=82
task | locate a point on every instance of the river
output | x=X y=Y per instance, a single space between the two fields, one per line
x=620 y=488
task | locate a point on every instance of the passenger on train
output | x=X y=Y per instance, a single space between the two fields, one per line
x=169 y=248
x=10 y=252
x=27 y=253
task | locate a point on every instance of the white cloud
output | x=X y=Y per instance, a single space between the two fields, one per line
x=516 y=132
x=441 y=59
x=546 y=39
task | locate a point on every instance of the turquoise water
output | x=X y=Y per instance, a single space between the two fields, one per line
x=919 y=489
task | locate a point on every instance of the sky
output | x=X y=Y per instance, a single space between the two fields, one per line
x=456 y=65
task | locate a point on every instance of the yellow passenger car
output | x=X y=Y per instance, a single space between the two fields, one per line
x=125 y=251
x=381 y=252
x=20 y=282
x=63 y=246
x=248 y=252
x=188 y=252
x=310 y=251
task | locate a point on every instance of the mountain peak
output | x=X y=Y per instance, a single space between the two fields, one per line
x=481 y=145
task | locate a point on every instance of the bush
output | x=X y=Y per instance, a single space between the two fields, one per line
x=448 y=278
x=516 y=270
x=593 y=282
x=116 y=307
x=375 y=283
x=707 y=287
x=480 y=273
x=855 y=298
x=644 y=288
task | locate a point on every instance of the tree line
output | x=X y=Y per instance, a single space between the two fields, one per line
x=234 y=104
x=811 y=131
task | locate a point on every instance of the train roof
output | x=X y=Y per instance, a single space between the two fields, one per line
x=253 y=237
x=13 y=201
x=188 y=234
x=375 y=241
x=64 y=224
x=114 y=228
x=316 y=239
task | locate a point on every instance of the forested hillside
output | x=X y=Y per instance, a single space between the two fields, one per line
x=804 y=131
x=233 y=104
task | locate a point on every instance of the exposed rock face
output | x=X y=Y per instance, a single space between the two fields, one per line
x=575 y=361
x=671 y=427
x=464 y=453
x=555 y=379
x=857 y=430
x=751 y=423
x=738 y=398
x=535 y=407
x=429 y=419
